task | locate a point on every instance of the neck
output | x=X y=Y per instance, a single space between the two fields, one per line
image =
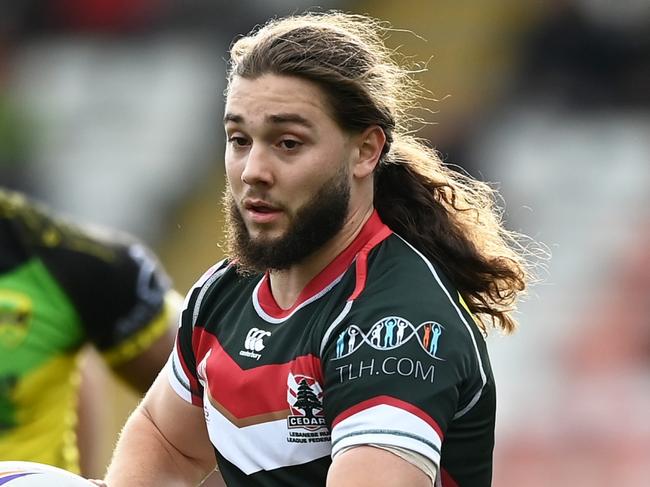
x=286 y=285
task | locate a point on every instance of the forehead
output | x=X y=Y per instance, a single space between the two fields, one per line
x=259 y=98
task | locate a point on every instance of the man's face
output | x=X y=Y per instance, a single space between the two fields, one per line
x=287 y=164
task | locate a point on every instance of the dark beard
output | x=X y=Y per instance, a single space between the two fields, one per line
x=313 y=225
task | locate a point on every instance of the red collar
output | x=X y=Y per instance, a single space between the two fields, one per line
x=373 y=232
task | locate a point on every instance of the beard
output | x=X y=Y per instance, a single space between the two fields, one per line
x=312 y=226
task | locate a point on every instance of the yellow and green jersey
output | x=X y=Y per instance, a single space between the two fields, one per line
x=62 y=286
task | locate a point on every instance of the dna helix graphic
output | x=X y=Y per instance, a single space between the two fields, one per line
x=390 y=333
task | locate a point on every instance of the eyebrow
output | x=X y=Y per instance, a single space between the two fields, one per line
x=229 y=117
x=277 y=119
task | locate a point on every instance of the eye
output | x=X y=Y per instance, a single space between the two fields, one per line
x=289 y=144
x=238 y=141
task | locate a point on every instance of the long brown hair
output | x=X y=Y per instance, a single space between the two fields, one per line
x=448 y=216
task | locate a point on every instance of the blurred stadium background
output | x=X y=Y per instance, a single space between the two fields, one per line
x=110 y=110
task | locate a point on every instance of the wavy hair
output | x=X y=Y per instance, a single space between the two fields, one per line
x=453 y=219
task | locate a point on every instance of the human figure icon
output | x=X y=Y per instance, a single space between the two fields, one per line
x=375 y=334
x=388 y=337
x=401 y=326
x=436 y=332
x=340 y=344
x=427 y=335
x=352 y=332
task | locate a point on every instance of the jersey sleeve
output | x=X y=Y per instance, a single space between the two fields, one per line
x=399 y=366
x=116 y=285
x=183 y=372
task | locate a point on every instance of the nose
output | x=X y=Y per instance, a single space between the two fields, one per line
x=257 y=168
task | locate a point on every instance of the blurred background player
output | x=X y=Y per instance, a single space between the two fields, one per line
x=62 y=286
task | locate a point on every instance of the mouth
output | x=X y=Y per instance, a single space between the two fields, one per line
x=259 y=206
x=261 y=211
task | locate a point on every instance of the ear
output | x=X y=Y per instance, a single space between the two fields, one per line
x=371 y=142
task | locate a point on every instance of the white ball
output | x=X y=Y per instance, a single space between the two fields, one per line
x=32 y=474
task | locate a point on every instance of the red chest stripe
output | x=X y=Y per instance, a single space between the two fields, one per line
x=248 y=396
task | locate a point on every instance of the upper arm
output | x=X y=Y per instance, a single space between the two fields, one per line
x=181 y=424
x=164 y=442
x=366 y=466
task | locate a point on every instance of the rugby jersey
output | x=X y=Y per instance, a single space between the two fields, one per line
x=378 y=349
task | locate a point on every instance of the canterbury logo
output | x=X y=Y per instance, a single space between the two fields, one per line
x=254 y=339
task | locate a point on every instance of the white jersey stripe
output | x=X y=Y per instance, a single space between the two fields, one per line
x=206 y=281
x=177 y=377
x=477 y=396
x=261 y=446
x=330 y=329
x=388 y=425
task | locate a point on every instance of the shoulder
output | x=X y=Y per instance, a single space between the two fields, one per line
x=47 y=230
x=87 y=261
x=69 y=245
x=399 y=275
x=217 y=284
x=407 y=297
